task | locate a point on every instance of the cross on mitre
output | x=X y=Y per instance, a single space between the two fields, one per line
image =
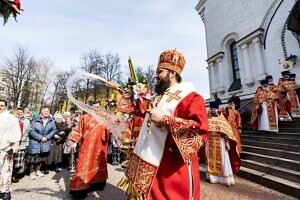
x=174 y=95
x=175 y=58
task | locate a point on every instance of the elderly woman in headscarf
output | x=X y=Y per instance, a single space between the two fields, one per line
x=56 y=149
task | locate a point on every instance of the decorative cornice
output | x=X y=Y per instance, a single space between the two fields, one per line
x=265 y=24
x=3 y=83
x=235 y=92
x=200 y=5
x=256 y=40
x=200 y=8
x=248 y=38
x=215 y=57
x=221 y=89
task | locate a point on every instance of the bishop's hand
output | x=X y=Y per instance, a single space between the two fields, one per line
x=155 y=115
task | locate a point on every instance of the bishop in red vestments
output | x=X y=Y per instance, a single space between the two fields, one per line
x=164 y=163
x=92 y=160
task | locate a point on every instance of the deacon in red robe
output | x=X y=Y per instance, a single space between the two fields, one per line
x=292 y=78
x=288 y=88
x=234 y=118
x=264 y=116
x=164 y=163
x=221 y=151
x=282 y=107
x=91 y=165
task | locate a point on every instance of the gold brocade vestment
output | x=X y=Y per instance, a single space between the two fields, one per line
x=218 y=127
x=270 y=98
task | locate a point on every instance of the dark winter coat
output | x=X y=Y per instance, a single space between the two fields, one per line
x=62 y=131
x=56 y=151
x=37 y=131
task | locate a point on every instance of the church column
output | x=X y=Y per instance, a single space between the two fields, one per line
x=261 y=72
x=212 y=78
x=209 y=68
x=215 y=75
x=247 y=66
x=221 y=74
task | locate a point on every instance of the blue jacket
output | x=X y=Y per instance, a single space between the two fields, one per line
x=37 y=131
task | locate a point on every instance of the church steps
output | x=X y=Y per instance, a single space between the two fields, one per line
x=281 y=162
x=280 y=172
x=294 y=120
x=286 y=147
x=273 y=152
x=290 y=129
x=270 y=181
x=279 y=134
x=289 y=124
x=281 y=140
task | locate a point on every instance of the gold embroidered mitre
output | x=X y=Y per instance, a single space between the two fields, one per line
x=172 y=60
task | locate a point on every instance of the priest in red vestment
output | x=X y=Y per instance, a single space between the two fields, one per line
x=282 y=108
x=234 y=118
x=292 y=78
x=288 y=88
x=91 y=167
x=264 y=116
x=221 y=149
x=164 y=163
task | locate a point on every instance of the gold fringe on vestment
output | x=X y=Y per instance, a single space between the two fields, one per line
x=131 y=192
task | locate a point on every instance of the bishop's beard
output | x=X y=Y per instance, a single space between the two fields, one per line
x=162 y=85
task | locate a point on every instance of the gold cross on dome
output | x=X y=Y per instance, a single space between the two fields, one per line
x=173 y=95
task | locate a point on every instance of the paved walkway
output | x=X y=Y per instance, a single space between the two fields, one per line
x=55 y=186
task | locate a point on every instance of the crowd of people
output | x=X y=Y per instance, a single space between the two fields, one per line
x=173 y=123
x=33 y=145
x=272 y=102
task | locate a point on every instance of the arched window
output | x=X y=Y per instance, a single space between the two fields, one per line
x=234 y=61
x=236 y=83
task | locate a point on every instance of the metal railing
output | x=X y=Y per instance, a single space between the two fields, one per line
x=245 y=112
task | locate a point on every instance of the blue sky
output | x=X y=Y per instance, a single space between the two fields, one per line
x=62 y=31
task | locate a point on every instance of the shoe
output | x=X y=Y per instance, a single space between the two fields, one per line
x=32 y=176
x=98 y=186
x=46 y=171
x=14 y=180
x=80 y=194
x=102 y=186
x=40 y=174
x=6 y=196
x=56 y=170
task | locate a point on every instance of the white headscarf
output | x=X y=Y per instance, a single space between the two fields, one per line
x=59 y=117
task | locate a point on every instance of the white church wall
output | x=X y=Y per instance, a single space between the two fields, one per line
x=273 y=51
x=245 y=70
x=240 y=20
x=231 y=16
